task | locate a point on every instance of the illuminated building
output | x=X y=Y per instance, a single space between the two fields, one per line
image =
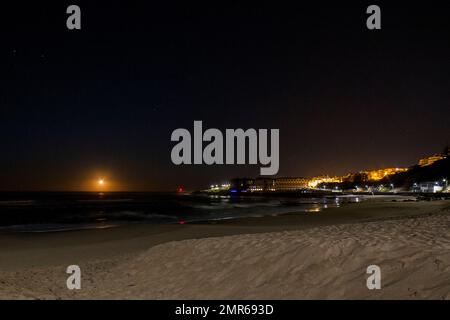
x=435 y=157
x=430 y=187
x=315 y=181
x=269 y=184
x=262 y=184
x=221 y=187
x=375 y=175
x=290 y=184
x=430 y=160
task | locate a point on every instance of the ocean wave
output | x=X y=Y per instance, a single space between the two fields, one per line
x=125 y=214
x=16 y=202
x=55 y=227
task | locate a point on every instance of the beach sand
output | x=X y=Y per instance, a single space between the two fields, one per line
x=291 y=256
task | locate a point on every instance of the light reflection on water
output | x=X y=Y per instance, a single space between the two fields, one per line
x=313 y=210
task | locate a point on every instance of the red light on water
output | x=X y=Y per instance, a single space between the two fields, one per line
x=180 y=189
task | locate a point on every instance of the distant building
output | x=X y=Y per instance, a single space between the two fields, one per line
x=430 y=160
x=429 y=187
x=375 y=175
x=435 y=157
x=290 y=184
x=268 y=184
x=371 y=175
x=219 y=187
x=263 y=184
x=241 y=184
x=316 y=181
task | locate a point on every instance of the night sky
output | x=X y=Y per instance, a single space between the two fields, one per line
x=104 y=100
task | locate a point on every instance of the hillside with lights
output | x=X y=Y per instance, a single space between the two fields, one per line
x=429 y=175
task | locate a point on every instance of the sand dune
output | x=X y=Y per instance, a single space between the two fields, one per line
x=324 y=262
x=329 y=262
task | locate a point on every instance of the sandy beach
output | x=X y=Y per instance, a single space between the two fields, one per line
x=290 y=256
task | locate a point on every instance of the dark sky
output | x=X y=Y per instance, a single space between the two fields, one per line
x=104 y=100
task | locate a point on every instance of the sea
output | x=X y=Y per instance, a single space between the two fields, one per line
x=64 y=211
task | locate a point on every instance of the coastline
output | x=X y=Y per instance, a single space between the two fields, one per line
x=33 y=265
x=29 y=249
